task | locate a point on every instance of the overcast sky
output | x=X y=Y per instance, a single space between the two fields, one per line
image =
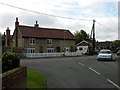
x=105 y=12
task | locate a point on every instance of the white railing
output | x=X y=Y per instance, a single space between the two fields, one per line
x=39 y=55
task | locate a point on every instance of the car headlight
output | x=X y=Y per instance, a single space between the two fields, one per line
x=99 y=56
x=110 y=56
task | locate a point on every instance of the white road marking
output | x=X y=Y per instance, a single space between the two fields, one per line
x=113 y=83
x=81 y=64
x=93 y=70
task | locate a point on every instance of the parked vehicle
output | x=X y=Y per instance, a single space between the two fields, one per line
x=105 y=54
x=118 y=53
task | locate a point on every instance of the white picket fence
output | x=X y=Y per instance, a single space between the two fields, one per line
x=39 y=55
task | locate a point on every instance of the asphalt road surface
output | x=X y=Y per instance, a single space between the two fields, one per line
x=76 y=72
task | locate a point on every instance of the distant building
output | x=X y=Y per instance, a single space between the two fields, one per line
x=104 y=45
x=7 y=38
x=35 y=39
x=7 y=41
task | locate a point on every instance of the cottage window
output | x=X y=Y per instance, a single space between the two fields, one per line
x=30 y=50
x=50 y=50
x=58 y=49
x=80 y=48
x=49 y=41
x=32 y=41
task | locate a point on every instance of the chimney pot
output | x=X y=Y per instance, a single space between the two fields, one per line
x=36 y=22
x=36 y=25
x=4 y=33
x=16 y=23
x=8 y=28
x=7 y=37
x=16 y=19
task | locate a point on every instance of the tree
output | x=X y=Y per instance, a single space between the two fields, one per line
x=117 y=43
x=81 y=35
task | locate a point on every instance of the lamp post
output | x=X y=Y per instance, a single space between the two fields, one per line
x=64 y=42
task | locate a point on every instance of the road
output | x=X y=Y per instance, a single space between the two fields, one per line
x=76 y=72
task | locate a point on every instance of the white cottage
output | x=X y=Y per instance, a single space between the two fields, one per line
x=83 y=46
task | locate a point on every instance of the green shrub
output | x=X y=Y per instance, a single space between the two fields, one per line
x=10 y=61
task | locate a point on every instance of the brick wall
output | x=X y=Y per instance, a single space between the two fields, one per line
x=16 y=78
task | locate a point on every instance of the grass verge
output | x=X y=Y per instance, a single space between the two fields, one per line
x=35 y=80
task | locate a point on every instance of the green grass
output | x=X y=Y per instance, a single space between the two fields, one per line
x=35 y=80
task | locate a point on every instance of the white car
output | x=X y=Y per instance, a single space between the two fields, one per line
x=105 y=54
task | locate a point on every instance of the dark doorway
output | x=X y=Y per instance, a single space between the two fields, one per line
x=58 y=49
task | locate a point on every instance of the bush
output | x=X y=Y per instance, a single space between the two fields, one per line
x=9 y=61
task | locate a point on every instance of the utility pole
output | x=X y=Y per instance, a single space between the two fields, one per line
x=92 y=37
x=93 y=41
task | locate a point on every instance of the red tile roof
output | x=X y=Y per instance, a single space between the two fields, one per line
x=83 y=43
x=29 y=31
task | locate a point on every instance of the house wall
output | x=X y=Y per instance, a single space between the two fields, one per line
x=41 y=45
x=20 y=43
x=68 y=43
x=13 y=40
x=84 y=49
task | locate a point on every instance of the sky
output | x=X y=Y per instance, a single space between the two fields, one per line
x=73 y=15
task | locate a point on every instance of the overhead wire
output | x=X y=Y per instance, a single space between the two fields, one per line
x=53 y=15
x=41 y=12
x=109 y=29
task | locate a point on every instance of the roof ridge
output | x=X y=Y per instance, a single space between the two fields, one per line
x=45 y=28
x=25 y=26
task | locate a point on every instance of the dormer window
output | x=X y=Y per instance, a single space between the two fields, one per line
x=49 y=41
x=32 y=41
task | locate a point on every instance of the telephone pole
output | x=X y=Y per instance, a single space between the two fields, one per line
x=93 y=41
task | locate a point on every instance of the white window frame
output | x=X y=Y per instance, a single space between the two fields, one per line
x=49 y=41
x=32 y=41
x=50 y=50
x=30 y=50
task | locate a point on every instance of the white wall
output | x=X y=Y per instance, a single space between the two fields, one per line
x=84 y=49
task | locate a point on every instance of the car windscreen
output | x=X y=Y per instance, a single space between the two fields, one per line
x=107 y=52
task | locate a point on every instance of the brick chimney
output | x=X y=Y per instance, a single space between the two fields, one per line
x=4 y=34
x=36 y=25
x=8 y=38
x=16 y=23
